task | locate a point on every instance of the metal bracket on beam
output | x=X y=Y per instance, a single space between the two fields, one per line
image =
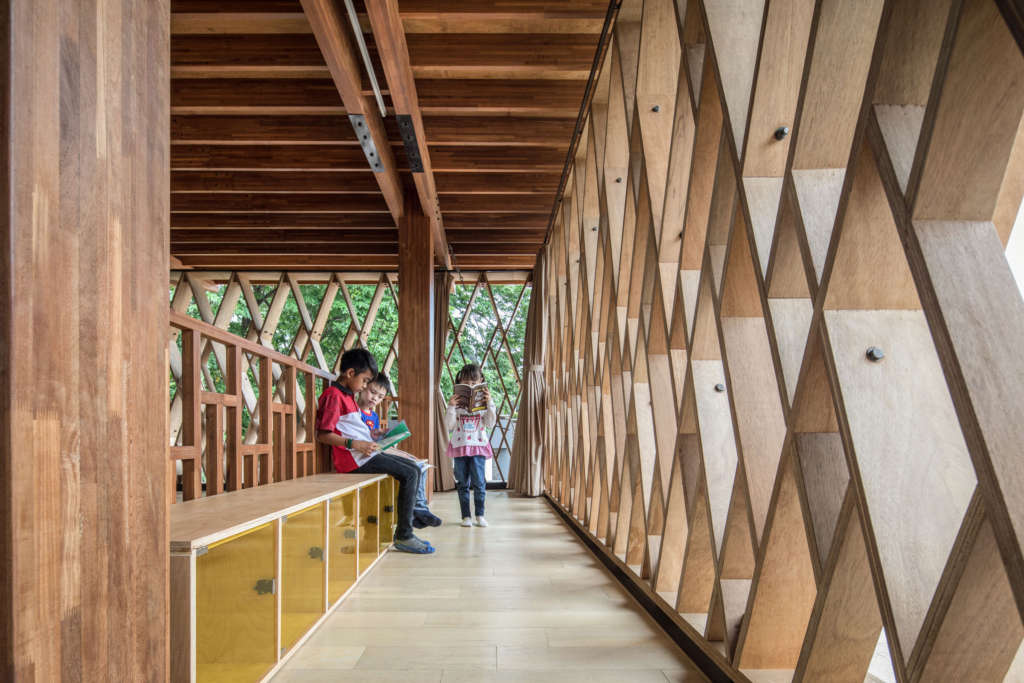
x=412 y=147
x=366 y=142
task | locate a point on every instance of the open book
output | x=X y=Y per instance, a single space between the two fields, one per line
x=474 y=396
x=397 y=433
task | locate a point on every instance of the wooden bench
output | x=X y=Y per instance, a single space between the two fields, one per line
x=253 y=572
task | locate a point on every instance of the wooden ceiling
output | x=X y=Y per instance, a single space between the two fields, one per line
x=266 y=168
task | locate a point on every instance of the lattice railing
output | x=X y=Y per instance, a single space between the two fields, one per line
x=784 y=382
x=214 y=451
x=486 y=325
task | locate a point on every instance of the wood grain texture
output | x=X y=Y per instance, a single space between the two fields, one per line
x=415 y=334
x=84 y=230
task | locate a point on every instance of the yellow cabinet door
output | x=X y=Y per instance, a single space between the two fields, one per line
x=302 y=573
x=236 y=607
x=369 y=526
x=342 y=563
x=388 y=517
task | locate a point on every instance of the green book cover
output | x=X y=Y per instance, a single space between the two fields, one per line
x=396 y=434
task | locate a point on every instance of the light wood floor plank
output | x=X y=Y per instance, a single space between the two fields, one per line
x=519 y=600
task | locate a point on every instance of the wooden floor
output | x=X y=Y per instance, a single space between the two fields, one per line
x=522 y=600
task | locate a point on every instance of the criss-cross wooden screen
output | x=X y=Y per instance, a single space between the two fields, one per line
x=785 y=383
x=298 y=324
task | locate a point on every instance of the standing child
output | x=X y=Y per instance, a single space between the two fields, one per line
x=470 y=444
x=368 y=400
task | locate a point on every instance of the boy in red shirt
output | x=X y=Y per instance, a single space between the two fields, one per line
x=339 y=424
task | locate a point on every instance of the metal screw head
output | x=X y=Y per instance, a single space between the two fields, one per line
x=656 y=108
x=719 y=387
x=594 y=229
x=781 y=132
x=874 y=354
x=618 y=180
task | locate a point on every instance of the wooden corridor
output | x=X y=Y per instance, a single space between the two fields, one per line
x=520 y=600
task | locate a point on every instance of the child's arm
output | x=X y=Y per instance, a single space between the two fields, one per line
x=332 y=439
x=449 y=415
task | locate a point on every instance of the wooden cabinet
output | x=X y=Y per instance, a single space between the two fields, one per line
x=254 y=571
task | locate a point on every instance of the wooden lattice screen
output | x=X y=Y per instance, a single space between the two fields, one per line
x=783 y=360
x=298 y=325
x=479 y=333
x=256 y=307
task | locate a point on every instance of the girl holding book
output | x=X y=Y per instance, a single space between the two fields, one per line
x=469 y=422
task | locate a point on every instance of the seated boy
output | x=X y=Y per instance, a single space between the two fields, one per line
x=339 y=425
x=368 y=400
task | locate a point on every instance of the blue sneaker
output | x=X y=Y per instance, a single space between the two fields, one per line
x=413 y=545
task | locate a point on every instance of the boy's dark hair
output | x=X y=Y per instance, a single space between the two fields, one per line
x=381 y=380
x=468 y=372
x=359 y=360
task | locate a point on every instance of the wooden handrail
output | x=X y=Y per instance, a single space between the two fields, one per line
x=184 y=322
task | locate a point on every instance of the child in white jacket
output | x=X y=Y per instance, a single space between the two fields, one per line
x=470 y=445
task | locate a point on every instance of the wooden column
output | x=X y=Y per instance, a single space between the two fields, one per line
x=416 y=327
x=84 y=179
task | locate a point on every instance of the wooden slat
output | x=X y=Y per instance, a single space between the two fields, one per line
x=203 y=202
x=270 y=181
x=280 y=220
x=268 y=157
x=326 y=128
x=501 y=203
x=260 y=248
x=500 y=96
x=498 y=158
x=501 y=55
x=335 y=236
x=497 y=183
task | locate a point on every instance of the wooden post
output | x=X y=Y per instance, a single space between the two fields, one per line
x=416 y=327
x=84 y=183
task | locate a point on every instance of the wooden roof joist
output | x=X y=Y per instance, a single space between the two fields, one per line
x=264 y=152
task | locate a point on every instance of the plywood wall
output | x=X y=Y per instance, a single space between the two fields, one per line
x=785 y=379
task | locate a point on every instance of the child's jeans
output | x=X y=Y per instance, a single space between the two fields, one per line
x=421 y=492
x=470 y=469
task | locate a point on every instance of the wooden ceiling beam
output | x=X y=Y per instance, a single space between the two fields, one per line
x=522 y=221
x=505 y=158
x=495 y=158
x=214 y=221
x=335 y=129
x=495 y=203
x=481 y=221
x=182 y=249
x=212 y=202
x=389 y=37
x=355 y=182
x=524 y=97
x=332 y=37
x=271 y=157
x=348 y=262
x=438 y=97
x=495 y=183
x=283 y=235
x=332 y=235
x=356 y=262
x=322 y=202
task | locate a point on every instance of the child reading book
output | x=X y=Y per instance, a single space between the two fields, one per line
x=470 y=442
x=339 y=425
x=369 y=399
